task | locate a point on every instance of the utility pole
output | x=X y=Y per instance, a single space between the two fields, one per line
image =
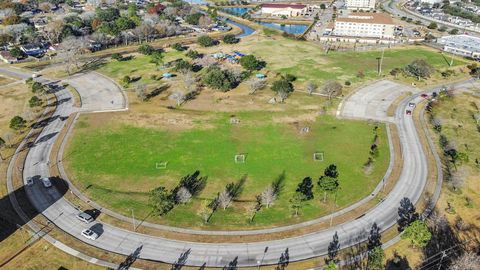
x=133 y=221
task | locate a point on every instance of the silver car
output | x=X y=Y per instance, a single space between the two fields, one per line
x=85 y=217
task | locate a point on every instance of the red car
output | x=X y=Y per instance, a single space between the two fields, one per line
x=408 y=112
x=424 y=95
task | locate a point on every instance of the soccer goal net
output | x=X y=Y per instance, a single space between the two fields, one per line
x=318 y=156
x=161 y=165
x=240 y=158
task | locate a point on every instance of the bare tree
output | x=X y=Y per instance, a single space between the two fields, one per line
x=255 y=85
x=8 y=136
x=437 y=222
x=311 y=87
x=190 y=82
x=468 y=261
x=70 y=50
x=204 y=21
x=16 y=31
x=53 y=30
x=127 y=37
x=224 y=199
x=206 y=61
x=204 y=211
x=457 y=178
x=183 y=195
x=331 y=89
x=178 y=96
x=268 y=196
x=45 y=7
x=141 y=92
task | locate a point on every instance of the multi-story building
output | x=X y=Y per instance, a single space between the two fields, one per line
x=365 y=24
x=287 y=10
x=465 y=45
x=360 y=4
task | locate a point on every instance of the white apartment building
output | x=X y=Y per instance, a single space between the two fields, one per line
x=365 y=24
x=464 y=45
x=360 y=4
x=288 y=10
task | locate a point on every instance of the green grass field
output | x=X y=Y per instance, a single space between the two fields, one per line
x=305 y=60
x=119 y=162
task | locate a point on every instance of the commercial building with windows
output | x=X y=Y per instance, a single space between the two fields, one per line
x=360 y=4
x=365 y=24
x=464 y=45
x=287 y=10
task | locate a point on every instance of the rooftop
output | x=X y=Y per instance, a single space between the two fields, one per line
x=367 y=17
x=465 y=42
x=293 y=6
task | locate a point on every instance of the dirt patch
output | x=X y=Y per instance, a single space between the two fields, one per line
x=13 y=101
x=308 y=117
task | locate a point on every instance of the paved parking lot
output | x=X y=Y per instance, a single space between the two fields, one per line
x=97 y=92
x=373 y=101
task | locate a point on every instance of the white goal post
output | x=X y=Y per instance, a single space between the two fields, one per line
x=240 y=158
x=161 y=165
x=318 y=156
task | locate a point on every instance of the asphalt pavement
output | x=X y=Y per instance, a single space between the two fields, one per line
x=113 y=239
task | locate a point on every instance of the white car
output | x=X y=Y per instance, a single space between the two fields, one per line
x=89 y=234
x=46 y=182
x=29 y=181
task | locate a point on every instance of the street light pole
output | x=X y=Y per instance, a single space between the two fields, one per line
x=133 y=221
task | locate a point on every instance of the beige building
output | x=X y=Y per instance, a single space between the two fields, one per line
x=365 y=24
x=360 y=4
x=287 y=10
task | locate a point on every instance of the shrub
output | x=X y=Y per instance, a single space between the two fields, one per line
x=117 y=56
x=250 y=63
x=230 y=39
x=17 y=123
x=205 y=41
x=146 y=49
x=126 y=80
x=37 y=87
x=178 y=47
x=34 y=102
x=432 y=25
x=192 y=54
x=222 y=80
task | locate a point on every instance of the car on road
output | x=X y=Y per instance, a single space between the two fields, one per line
x=411 y=105
x=46 y=182
x=408 y=112
x=29 y=181
x=424 y=95
x=89 y=234
x=85 y=217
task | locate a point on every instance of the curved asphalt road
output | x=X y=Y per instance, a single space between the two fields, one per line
x=113 y=239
